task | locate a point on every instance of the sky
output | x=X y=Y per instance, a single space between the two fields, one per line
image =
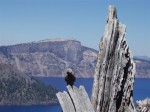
x=24 y=21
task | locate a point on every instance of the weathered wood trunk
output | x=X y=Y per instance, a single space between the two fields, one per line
x=115 y=69
x=76 y=100
x=114 y=75
x=143 y=105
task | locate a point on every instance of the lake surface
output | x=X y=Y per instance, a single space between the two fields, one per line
x=39 y=108
x=141 y=91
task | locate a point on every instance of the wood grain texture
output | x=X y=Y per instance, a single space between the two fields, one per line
x=76 y=100
x=115 y=69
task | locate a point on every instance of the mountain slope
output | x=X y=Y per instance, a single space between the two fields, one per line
x=146 y=58
x=142 y=68
x=52 y=57
x=19 y=89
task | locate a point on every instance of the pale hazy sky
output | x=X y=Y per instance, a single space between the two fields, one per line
x=24 y=21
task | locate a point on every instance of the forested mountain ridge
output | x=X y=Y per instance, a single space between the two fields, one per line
x=19 y=89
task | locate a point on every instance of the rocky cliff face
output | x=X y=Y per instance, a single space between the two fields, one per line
x=115 y=70
x=50 y=58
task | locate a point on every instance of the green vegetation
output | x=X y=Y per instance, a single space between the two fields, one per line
x=16 y=89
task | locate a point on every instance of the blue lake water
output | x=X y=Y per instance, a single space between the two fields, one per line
x=39 y=108
x=141 y=91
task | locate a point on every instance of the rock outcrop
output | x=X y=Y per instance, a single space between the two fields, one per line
x=115 y=70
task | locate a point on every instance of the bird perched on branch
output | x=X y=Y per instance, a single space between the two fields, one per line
x=70 y=77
